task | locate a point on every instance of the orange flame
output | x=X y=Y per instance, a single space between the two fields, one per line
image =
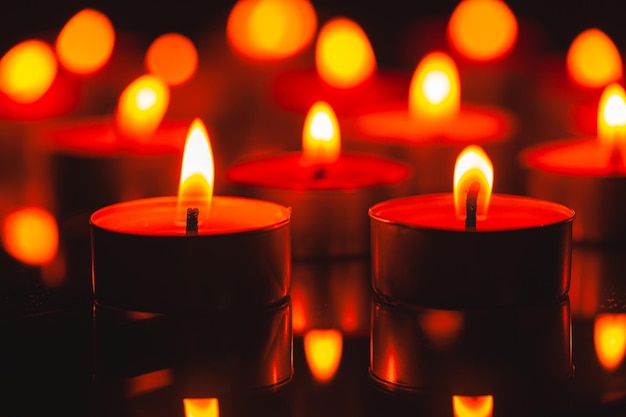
x=435 y=91
x=201 y=407
x=269 y=30
x=609 y=335
x=473 y=165
x=322 y=349
x=30 y=235
x=85 y=43
x=27 y=71
x=344 y=57
x=593 y=59
x=612 y=116
x=172 y=57
x=321 y=139
x=464 y=406
x=141 y=107
x=482 y=30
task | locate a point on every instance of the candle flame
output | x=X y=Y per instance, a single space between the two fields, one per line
x=473 y=165
x=612 y=116
x=86 y=42
x=593 y=59
x=268 y=30
x=322 y=349
x=466 y=406
x=435 y=92
x=609 y=334
x=344 y=57
x=172 y=57
x=482 y=30
x=30 y=234
x=141 y=107
x=201 y=407
x=321 y=139
x=27 y=71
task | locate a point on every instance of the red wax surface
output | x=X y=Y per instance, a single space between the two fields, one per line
x=473 y=125
x=299 y=89
x=160 y=217
x=573 y=157
x=506 y=212
x=287 y=171
x=98 y=137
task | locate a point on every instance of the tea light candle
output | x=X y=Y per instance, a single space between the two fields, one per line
x=586 y=174
x=151 y=255
x=471 y=248
x=329 y=192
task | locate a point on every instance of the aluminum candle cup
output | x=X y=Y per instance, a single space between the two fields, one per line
x=422 y=253
x=144 y=261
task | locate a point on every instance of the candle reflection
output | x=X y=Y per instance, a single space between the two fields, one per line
x=465 y=406
x=610 y=339
x=201 y=407
x=322 y=348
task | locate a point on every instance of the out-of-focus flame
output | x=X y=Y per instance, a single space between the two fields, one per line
x=322 y=349
x=612 y=116
x=86 y=42
x=480 y=406
x=321 y=138
x=27 y=71
x=441 y=326
x=344 y=57
x=30 y=235
x=435 y=91
x=593 y=59
x=473 y=165
x=172 y=57
x=141 y=107
x=201 y=407
x=609 y=335
x=269 y=30
x=482 y=30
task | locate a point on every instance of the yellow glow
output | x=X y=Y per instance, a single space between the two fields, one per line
x=322 y=349
x=27 y=71
x=30 y=235
x=344 y=57
x=609 y=335
x=269 y=30
x=172 y=57
x=612 y=116
x=86 y=42
x=593 y=59
x=435 y=91
x=141 y=107
x=321 y=138
x=201 y=407
x=464 y=406
x=473 y=165
x=482 y=30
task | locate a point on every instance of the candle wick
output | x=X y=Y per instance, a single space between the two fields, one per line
x=319 y=173
x=471 y=205
x=191 y=226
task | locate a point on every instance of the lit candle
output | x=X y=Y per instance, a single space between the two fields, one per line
x=194 y=252
x=329 y=191
x=433 y=125
x=587 y=174
x=471 y=248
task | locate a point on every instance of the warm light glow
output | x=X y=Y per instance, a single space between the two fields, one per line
x=609 y=337
x=30 y=235
x=201 y=407
x=344 y=57
x=172 y=57
x=435 y=92
x=151 y=381
x=141 y=107
x=482 y=30
x=612 y=116
x=321 y=138
x=473 y=165
x=465 y=406
x=442 y=327
x=85 y=43
x=271 y=29
x=322 y=349
x=27 y=71
x=593 y=59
